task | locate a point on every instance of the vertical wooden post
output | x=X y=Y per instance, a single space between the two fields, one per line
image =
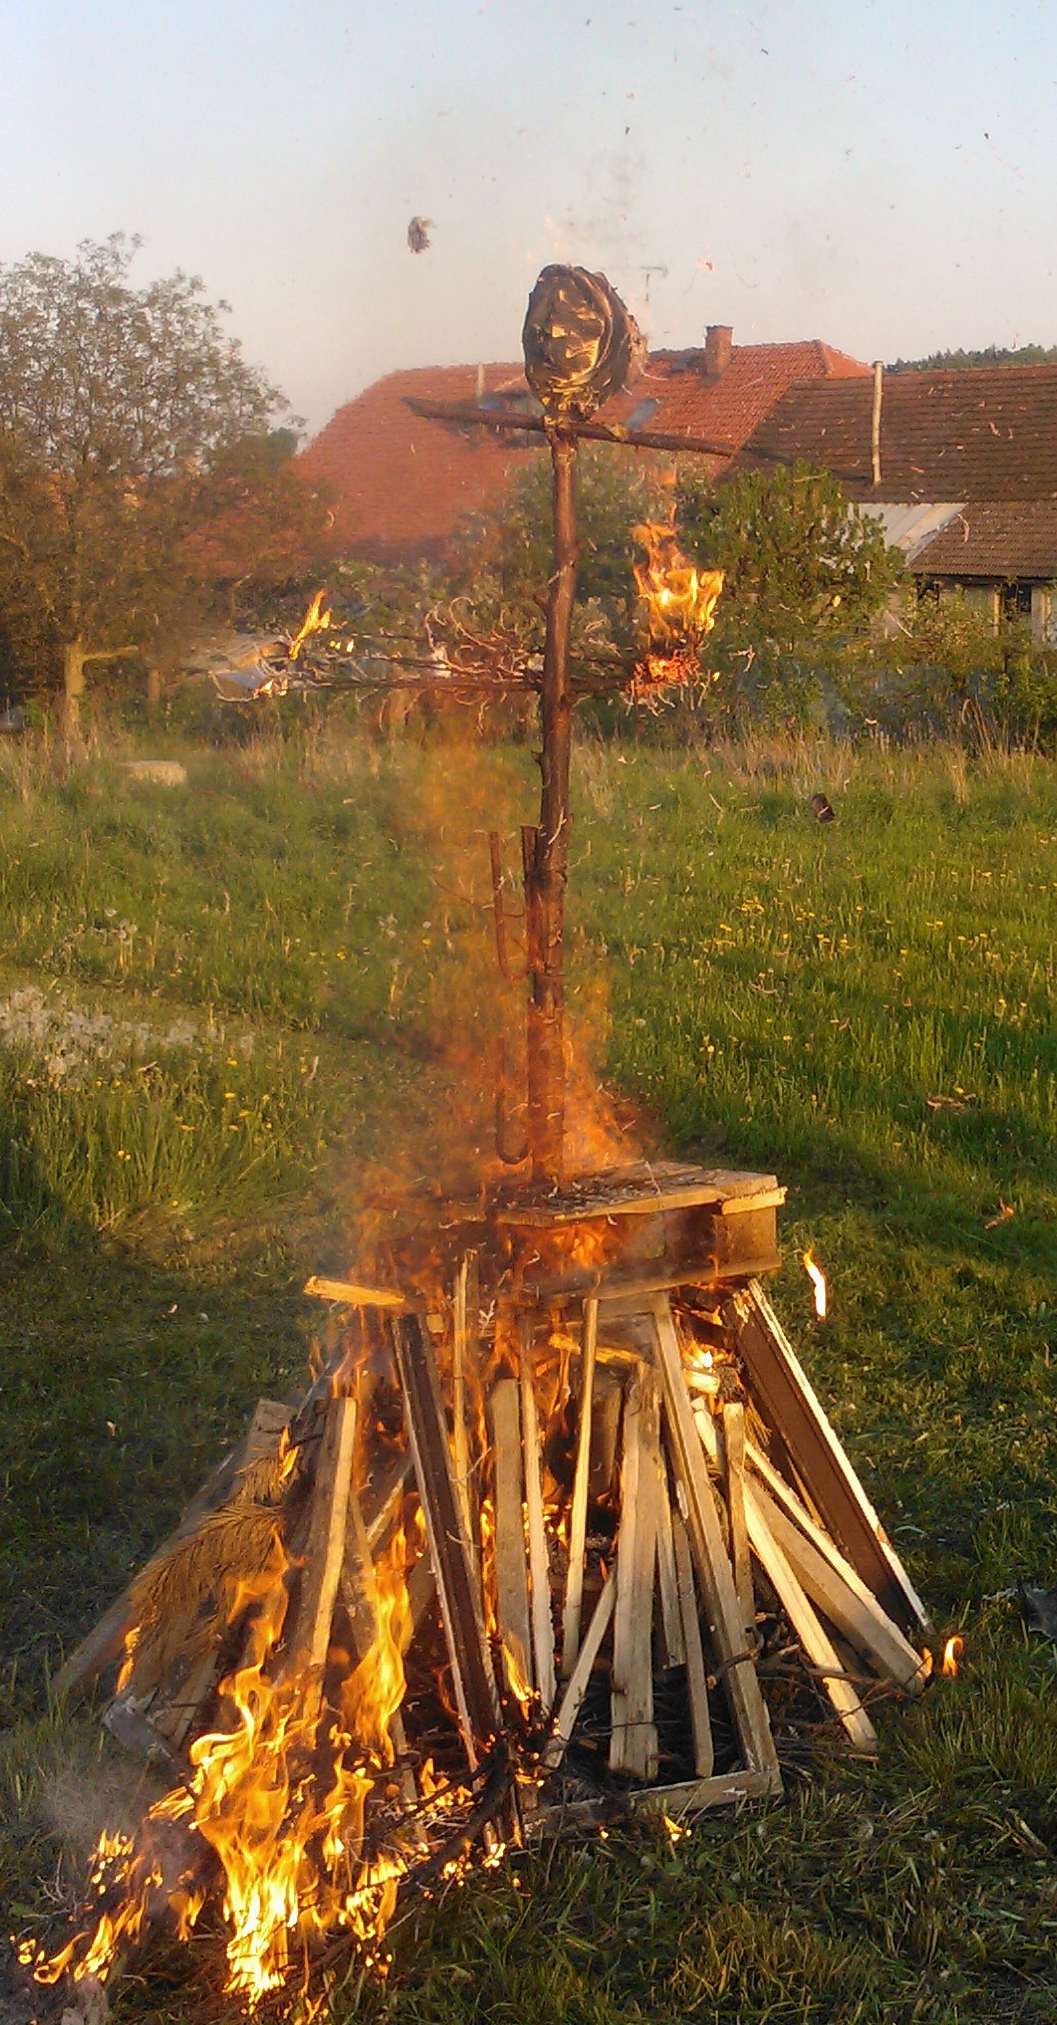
x=547 y=854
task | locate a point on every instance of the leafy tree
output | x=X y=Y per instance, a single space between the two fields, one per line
x=132 y=431
x=801 y=565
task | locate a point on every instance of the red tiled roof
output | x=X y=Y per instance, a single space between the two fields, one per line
x=995 y=538
x=399 y=485
x=984 y=433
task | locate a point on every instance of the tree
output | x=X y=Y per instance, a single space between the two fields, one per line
x=127 y=419
x=988 y=355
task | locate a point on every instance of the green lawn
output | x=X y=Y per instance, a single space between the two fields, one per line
x=221 y=1005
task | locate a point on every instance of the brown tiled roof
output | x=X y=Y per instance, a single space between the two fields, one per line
x=994 y=538
x=986 y=433
x=399 y=485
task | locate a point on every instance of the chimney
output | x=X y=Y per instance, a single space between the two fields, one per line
x=718 y=340
x=875 y=419
x=480 y=385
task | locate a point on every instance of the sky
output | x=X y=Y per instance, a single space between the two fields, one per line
x=878 y=175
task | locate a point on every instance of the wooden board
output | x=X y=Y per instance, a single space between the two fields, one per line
x=718 y=1594
x=574 y=1585
x=789 y=1403
x=577 y=1684
x=696 y=1678
x=539 y=1559
x=308 y=1637
x=511 y=1570
x=472 y=1678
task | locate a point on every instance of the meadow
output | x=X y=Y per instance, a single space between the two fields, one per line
x=218 y=1006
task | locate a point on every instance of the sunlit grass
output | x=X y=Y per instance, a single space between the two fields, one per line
x=866 y=1008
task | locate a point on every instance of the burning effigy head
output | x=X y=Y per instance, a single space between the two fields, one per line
x=581 y=343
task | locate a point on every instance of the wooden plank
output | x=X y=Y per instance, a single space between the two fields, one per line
x=667 y=1574
x=789 y=1403
x=901 y=1655
x=733 y=1477
x=359 y=1594
x=689 y=1797
x=644 y=1191
x=640 y=1730
x=472 y=1679
x=352 y=1294
x=309 y=1636
x=574 y=1582
x=539 y=1559
x=511 y=1572
x=633 y=1741
x=696 y=1677
x=625 y=1570
x=576 y=1686
x=460 y=1443
x=707 y=1546
x=852 y=1612
x=383 y=1498
x=809 y=1628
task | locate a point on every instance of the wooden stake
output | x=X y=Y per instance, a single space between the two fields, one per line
x=696 y=1678
x=733 y=1472
x=539 y=1559
x=576 y=1686
x=511 y=1573
x=574 y=1583
x=706 y=1541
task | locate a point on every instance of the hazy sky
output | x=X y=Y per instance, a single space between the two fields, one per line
x=879 y=175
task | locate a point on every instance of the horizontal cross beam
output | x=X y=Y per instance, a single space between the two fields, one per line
x=466 y=413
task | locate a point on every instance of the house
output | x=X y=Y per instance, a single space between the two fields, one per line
x=399 y=485
x=959 y=466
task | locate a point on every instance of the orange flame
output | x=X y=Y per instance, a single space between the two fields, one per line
x=316 y=620
x=294 y=1865
x=952 y=1653
x=680 y=602
x=818 y=1281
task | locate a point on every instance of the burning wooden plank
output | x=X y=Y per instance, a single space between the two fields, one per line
x=472 y=1678
x=539 y=1558
x=574 y=1587
x=511 y=1572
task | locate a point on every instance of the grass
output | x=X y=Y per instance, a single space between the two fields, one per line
x=228 y=999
